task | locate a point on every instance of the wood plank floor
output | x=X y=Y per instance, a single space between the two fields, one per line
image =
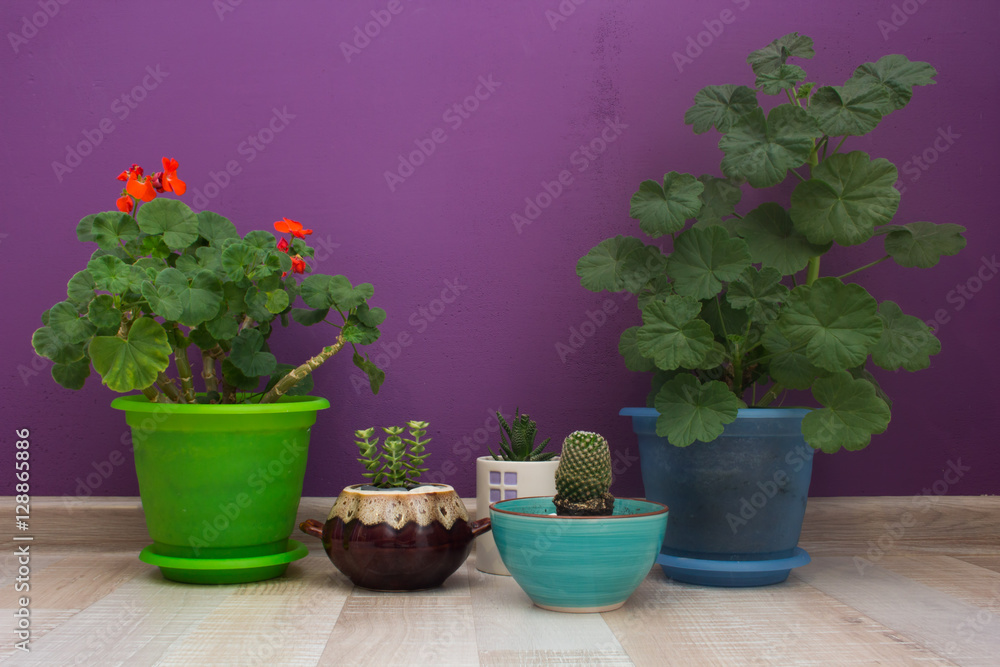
x=894 y=581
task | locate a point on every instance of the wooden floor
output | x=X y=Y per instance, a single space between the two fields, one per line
x=892 y=582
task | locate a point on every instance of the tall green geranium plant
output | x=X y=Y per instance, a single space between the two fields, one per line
x=165 y=283
x=739 y=310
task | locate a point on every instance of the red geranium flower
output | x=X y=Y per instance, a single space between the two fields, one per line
x=169 y=178
x=298 y=264
x=125 y=204
x=292 y=227
x=283 y=245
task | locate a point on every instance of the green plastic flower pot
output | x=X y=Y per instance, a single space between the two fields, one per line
x=221 y=483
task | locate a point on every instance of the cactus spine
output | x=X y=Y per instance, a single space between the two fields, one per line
x=583 y=478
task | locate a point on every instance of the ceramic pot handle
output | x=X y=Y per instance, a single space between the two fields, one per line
x=479 y=527
x=312 y=527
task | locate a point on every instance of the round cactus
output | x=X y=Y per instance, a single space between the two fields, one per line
x=583 y=477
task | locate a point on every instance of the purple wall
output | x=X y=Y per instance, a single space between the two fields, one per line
x=221 y=78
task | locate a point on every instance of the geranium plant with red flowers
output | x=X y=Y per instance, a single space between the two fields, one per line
x=168 y=284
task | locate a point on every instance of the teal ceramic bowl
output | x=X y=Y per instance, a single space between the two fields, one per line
x=578 y=563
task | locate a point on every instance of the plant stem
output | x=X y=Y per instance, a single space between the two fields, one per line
x=801 y=177
x=183 y=363
x=152 y=394
x=290 y=380
x=771 y=394
x=208 y=371
x=166 y=385
x=812 y=271
x=842 y=140
x=862 y=268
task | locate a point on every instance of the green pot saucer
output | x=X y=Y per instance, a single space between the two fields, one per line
x=224 y=570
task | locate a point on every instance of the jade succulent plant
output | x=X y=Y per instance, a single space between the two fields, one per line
x=397 y=463
x=583 y=478
x=167 y=284
x=739 y=310
x=517 y=440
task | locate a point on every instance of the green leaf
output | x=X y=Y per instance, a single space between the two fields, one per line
x=692 y=411
x=111 y=229
x=154 y=245
x=277 y=301
x=862 y=373
x=838 y=324
x=673 y=336
x=200 y=295
x=760 y=293
x=261 y=240
x=202 y=338
x=774 y=242
x=851 y=413
x=173 y=219
x=897 y=75
x=763 y=150
x=922 y=244
x=163 y=300
x=52 y=344
x=723 y=318
x=65 y=320
x=371 y=317
x=705 y=258
x=256 y=305
x=223 y=327
x=301 y=388
x=249 y=356
x=718 y=200
x=720 y=106
x=110 y=274
x=354 y=331
x=307 y=317
x=322 y=291
x=906 y=341
x=775 y=54
x=785 y=77
x=84 y=229
x=80 y=289
x=789 y=365
x=72 y=375
x=628 y=347
x=235 y=377
x=376 y=376
x=102 y=312
x=126 y=365
x=240 y=260
x=215 y=228
x=620 y=263
x=847 y=197
x=854 y=109
x=665 y=209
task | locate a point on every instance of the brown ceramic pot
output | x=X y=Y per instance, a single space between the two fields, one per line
x=391 y=540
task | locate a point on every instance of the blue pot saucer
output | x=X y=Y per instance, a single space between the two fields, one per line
x=731 y=573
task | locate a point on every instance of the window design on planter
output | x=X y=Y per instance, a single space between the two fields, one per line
x=502 y=485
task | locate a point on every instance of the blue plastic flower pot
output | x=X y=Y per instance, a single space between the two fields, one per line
x=739 y=498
